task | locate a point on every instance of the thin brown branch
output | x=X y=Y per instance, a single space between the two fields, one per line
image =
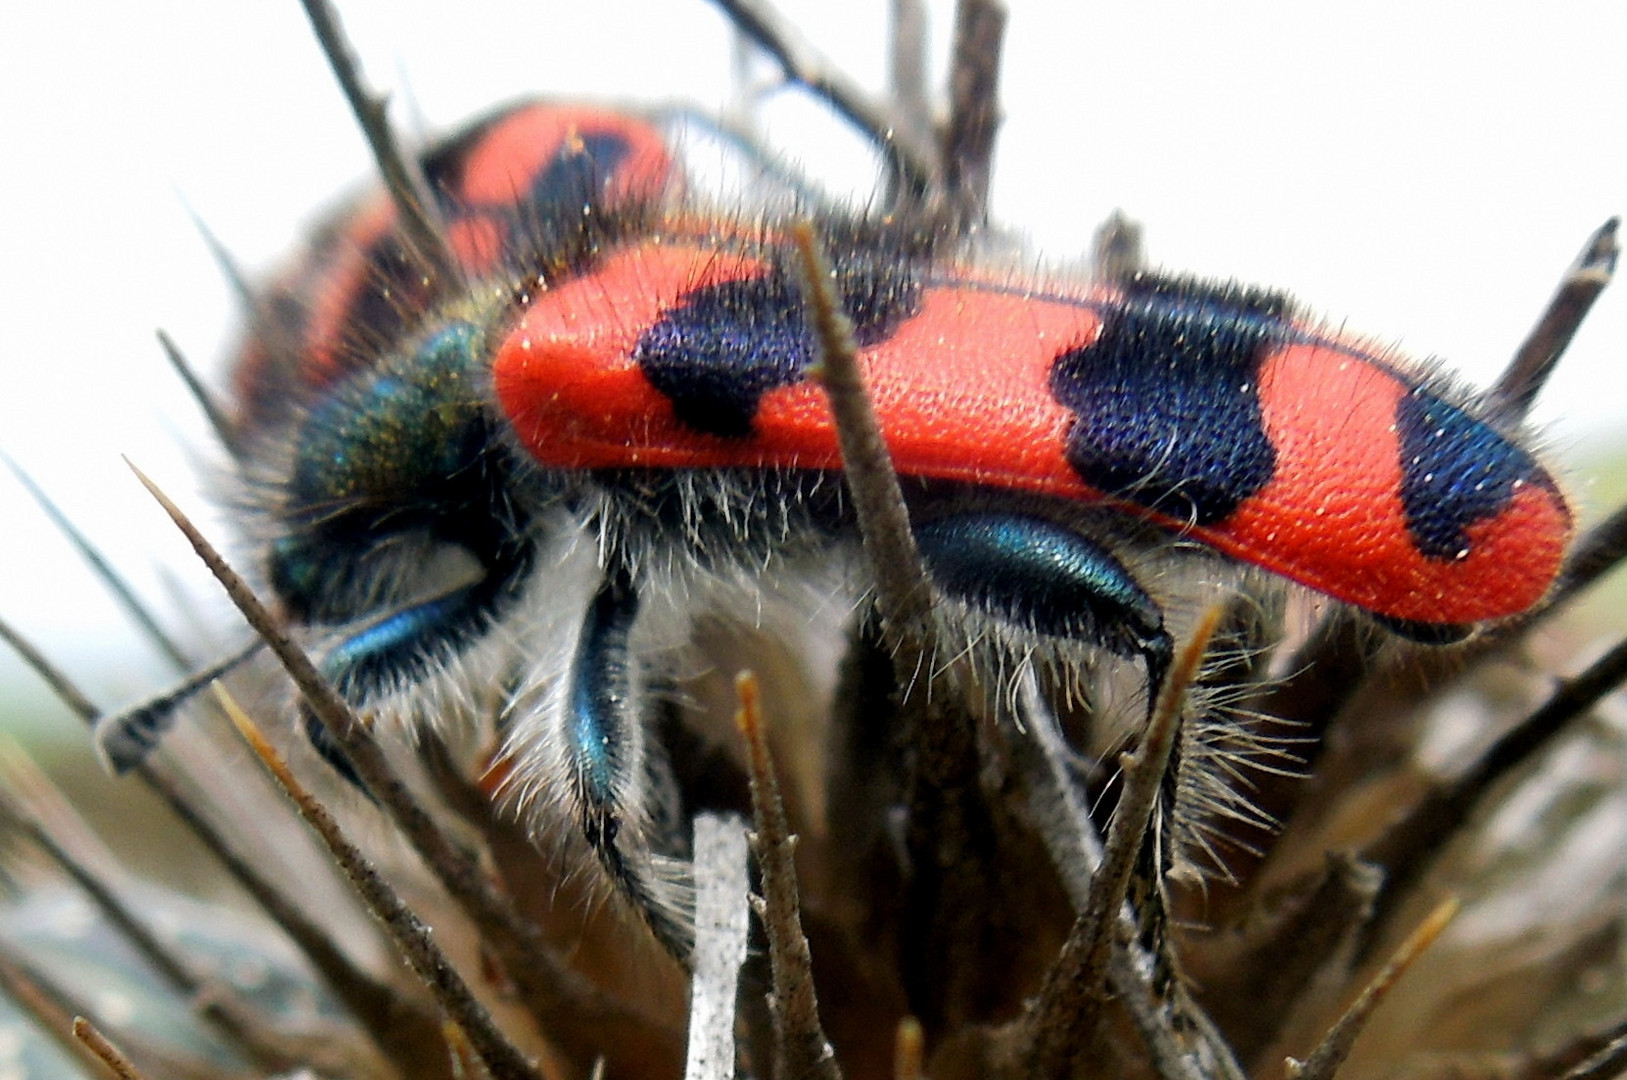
x=231 y=270
x=211 y=409
x=1117 y=253
x=904 y=592
x=1408 y=847
x=571 y=1010
x=388 y=1017
x=1596 y=553
x=268 y=332
x=1520 y=383
x=803 y=1051
x=1066 y=1015
x=909 y=1050
x=53 y=828
x=105 y=1052
x=915 y=163
x=104 y=570
x=974 y=109
x=907 y=70
x=960 y=844
x=1056 y=805
x=1325 y=1060
x=403 y=177
x=54 y=1007
x=53 y=677
x=51 y=1008
x=412 y=938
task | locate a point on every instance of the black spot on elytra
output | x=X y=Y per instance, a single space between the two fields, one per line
x=1455 y=470
x=1166 y=400
x=392 y=286
x=565 y=187
x=393 y=289
x=577 y=175
x=546 y=225
x=717 y=351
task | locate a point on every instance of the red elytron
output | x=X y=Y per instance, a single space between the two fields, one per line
x=502 y=184
x=964 y=390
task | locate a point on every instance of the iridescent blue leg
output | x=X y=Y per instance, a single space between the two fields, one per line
x=1039 y=576
x=603 y=737
x=404 y=647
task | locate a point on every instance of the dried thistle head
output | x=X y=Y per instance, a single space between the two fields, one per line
x=1221 y=839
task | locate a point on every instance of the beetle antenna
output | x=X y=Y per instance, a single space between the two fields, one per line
x=125 y=738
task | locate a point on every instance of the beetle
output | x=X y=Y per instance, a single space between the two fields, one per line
x=534 y=476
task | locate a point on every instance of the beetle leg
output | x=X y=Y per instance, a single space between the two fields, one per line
x=604 y=738
x=1044 y=578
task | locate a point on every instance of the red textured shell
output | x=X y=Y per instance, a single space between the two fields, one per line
x=358 y=289
x=962 y=391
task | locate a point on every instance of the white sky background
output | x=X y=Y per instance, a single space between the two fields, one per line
x=1421 y=170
